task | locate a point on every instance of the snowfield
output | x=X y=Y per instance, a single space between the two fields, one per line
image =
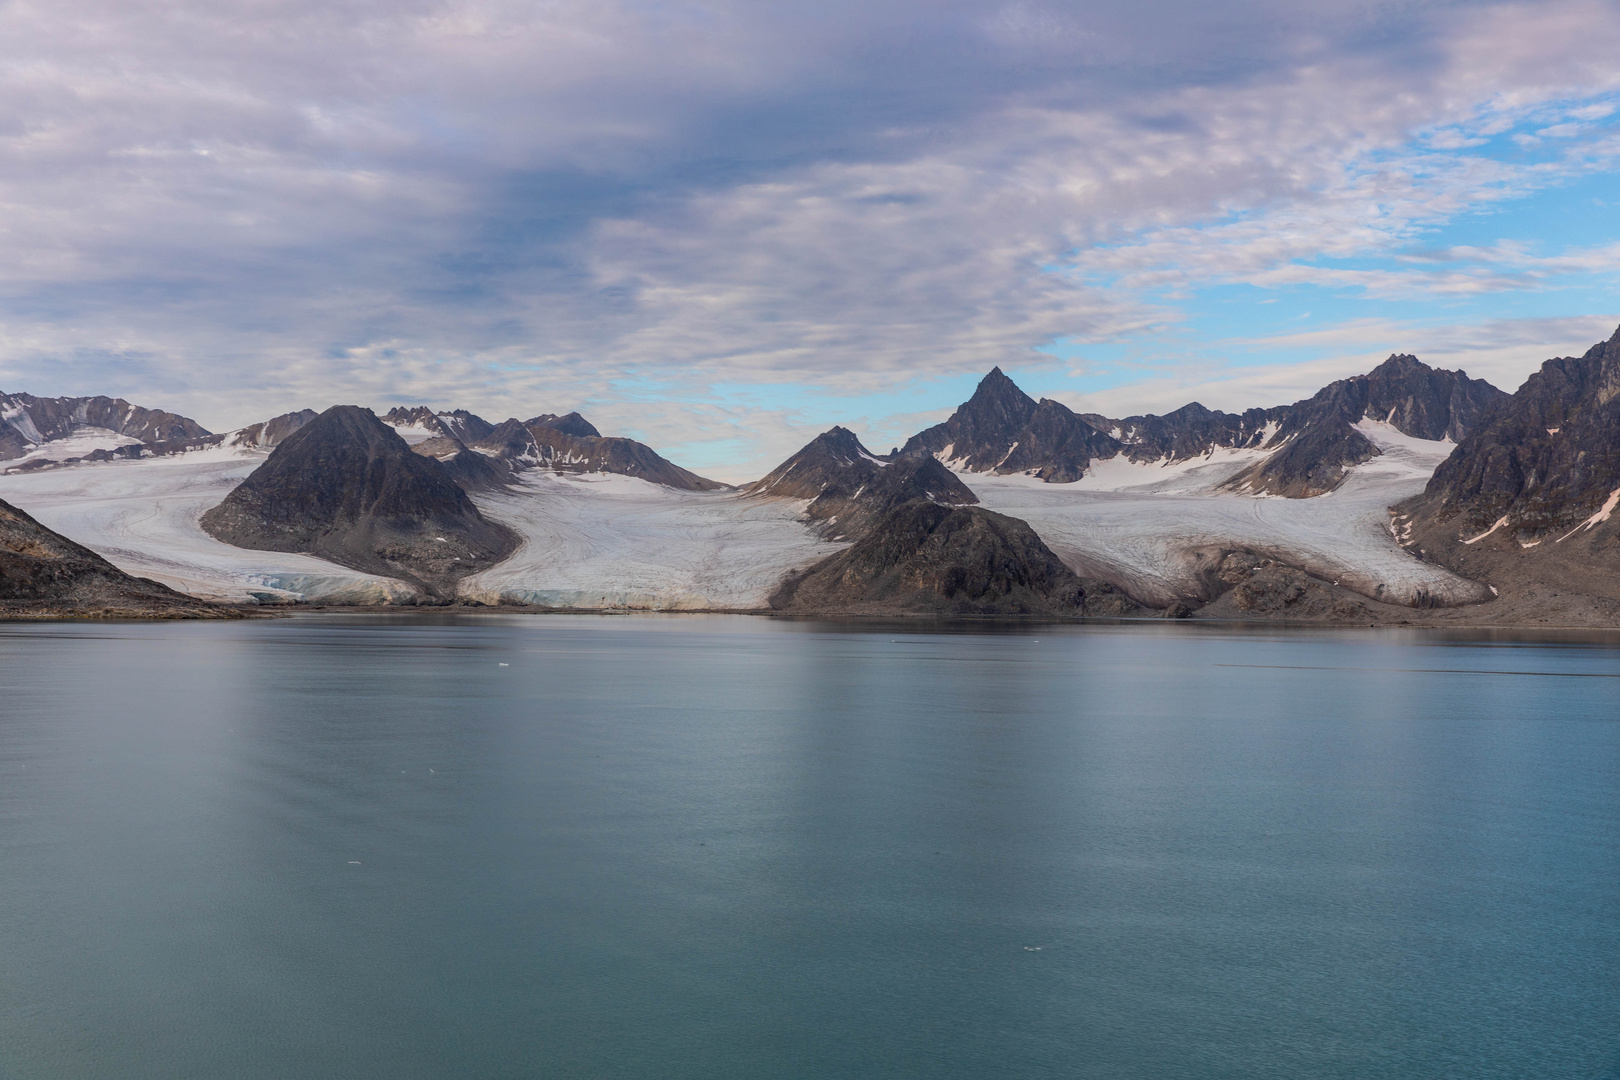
x=1139 y=524
x=600 y=540
x=142 y=517
x=84 y=441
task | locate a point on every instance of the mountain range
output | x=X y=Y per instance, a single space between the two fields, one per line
x=1451 y=501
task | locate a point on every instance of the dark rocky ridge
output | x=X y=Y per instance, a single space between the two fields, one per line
x=458 y=424
x=348 y=489
x=26 y=420
x=922 y=558
x=850 y=488
x=527 y=446
x=44 y=574
x=1188 y=432
x=1317 y=439
x=1001 y=429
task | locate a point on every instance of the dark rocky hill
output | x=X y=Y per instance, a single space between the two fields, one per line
x=45 y=575
x=1547 y=459
x=922 y=558
x=347 y=488
x=850 y=488
x=1056 y=445
x=26 y=421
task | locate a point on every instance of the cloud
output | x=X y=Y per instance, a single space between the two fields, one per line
x=234 y=208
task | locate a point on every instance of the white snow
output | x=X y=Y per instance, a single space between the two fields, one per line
x=17 y=416
x=1596 y=519
x=81 y=442
x=602 y=540
x=1501 y=521
x=142 y=517
x=415 y=433
x=1141 y=523
x=1165 y=476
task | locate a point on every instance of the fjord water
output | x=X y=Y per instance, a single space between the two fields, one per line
x=518 y=846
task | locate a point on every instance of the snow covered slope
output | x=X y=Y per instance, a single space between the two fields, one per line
x=1138 y=524
x=602 y=540
x=606 y=540
x=142 y=517
x=82 y=441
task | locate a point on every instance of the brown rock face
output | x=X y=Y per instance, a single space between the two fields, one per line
x=45 y=574
x=347 y=488
x=926 y=559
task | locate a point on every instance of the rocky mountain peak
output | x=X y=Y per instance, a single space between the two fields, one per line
x=1002 y=429
x=569 y=424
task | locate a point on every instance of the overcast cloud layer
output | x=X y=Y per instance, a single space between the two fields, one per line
x=722 y=226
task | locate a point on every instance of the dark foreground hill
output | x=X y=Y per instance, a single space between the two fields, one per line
x=44 y=574
x=347 y=488
x=922 y=558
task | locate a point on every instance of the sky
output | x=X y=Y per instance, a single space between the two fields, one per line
x=722 y=227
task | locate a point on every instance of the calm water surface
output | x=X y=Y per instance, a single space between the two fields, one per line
x=717 y=848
